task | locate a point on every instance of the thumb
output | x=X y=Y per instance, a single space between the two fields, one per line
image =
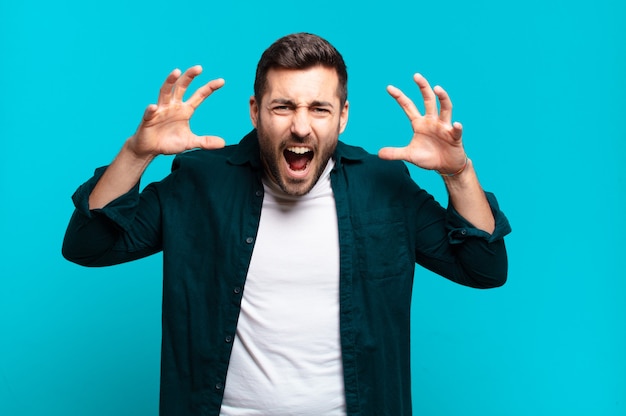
x=150 y=112
x=209 y=142
x=392 y=153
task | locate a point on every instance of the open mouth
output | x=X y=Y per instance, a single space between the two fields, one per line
x=298 y=158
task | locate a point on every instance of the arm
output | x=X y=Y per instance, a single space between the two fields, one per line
x=436 y=145
x=164 y=129
x=104 y=228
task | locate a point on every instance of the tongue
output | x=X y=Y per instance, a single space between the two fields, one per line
x=296 y=161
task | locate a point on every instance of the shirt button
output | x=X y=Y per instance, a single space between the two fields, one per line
x=237 y=290
x=249 y=240
x=219 y=386
x=259 y=193
x=228 y=339
x=463 y=232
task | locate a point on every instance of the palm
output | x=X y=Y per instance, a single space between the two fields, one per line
x=436 y=142
x=165 y=126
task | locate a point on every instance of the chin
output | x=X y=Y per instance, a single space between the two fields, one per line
x=296 y=187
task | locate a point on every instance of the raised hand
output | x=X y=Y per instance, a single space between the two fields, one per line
x=165 y=125
x=436 y=143
x=163 y=130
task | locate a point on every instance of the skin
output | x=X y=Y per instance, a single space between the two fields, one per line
x=164 y=129
x=436 y=142
x=437 y=145
x=300 y=109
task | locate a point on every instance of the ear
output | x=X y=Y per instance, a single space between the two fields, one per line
x=343 y=117
x=254 y=111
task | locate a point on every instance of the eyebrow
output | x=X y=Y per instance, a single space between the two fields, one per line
x=292 y=103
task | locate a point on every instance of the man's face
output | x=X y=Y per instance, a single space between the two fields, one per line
x=298 y=122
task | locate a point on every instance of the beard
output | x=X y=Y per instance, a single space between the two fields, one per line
x=273 y=159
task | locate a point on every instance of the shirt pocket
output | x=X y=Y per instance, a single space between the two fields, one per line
x=382 y=244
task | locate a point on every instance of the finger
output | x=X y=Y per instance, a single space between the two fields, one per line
x=430 y=100
x=209 y=142
x=457 y=130
x=180 y=87
x=445 y=104
x=165 y=94
x=405 y=102
x=150 y=112
x=392 y=153
x=203 y=92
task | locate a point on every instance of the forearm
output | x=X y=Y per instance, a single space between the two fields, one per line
x=448 y=244
x=119 y=178
x=468 y=198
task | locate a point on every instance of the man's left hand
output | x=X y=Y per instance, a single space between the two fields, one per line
x=436 y=143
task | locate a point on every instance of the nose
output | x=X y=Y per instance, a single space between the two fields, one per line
x=301 y=122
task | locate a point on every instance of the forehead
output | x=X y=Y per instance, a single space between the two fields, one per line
x=317 y=83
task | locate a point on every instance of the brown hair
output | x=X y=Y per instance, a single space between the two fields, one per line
x=301 y=51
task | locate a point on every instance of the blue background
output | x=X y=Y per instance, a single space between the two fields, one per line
x=539 y=86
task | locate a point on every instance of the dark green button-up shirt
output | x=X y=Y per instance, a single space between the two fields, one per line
x=204 y=216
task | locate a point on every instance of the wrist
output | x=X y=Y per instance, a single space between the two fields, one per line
x=133 y=153
x=456 y=173
x=462 y=177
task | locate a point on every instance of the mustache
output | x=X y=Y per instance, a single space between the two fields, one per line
x=300 y=139
x=294 y=138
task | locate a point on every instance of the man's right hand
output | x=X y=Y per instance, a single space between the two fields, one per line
x=165 y=125
x=163 y=130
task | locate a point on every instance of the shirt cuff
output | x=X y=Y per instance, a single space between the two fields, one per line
x=460 y=229
x=121 y=210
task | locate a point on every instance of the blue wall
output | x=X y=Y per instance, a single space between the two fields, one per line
x=539 y=86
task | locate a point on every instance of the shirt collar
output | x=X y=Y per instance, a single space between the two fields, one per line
x=247 y=152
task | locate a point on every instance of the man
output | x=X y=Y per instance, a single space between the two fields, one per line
x=289 y=257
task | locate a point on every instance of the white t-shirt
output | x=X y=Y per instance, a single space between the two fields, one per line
x=286 y=357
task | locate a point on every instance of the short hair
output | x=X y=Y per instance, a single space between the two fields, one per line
x=301 y=51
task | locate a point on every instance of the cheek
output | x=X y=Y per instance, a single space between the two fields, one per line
x=273 y=125
x=328 y=132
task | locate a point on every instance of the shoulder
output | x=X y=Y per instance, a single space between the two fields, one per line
x=358 y=161
x=201 y=157
x=371 y=181
x=243 y=154
x=202 y=169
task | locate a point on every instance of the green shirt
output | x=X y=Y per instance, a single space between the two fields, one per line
x=204 y=216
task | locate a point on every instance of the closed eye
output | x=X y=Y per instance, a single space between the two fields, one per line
x=282 y=109
x=287 y=107
x=321 y=110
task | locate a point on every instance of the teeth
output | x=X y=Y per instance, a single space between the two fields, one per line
x=299 y=150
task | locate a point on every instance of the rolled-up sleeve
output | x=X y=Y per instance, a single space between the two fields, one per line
x=115 y=233
x=451 y=246
x=480 y=258
x=460 y=229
